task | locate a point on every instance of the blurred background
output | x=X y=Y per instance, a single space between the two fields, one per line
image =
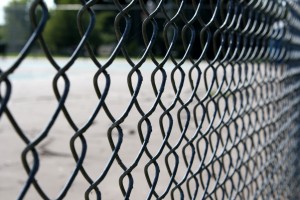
x=62 y=36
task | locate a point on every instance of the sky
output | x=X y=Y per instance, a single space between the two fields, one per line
x=3 y=3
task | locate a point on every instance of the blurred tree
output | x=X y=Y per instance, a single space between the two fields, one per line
x=2 y=29
x=17 y=26
x=61 y=32
x=67 y=2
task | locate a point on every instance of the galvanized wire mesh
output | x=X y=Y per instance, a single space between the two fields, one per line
x=229 y=129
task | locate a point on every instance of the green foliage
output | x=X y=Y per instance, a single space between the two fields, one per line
x=2 y=29
x=104 y=26
x=67 y=1
x=61 y=32
x=17 y=2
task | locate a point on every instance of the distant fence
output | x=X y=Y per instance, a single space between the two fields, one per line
x=223 y=120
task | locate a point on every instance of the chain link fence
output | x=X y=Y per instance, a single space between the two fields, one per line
x=194 y=100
